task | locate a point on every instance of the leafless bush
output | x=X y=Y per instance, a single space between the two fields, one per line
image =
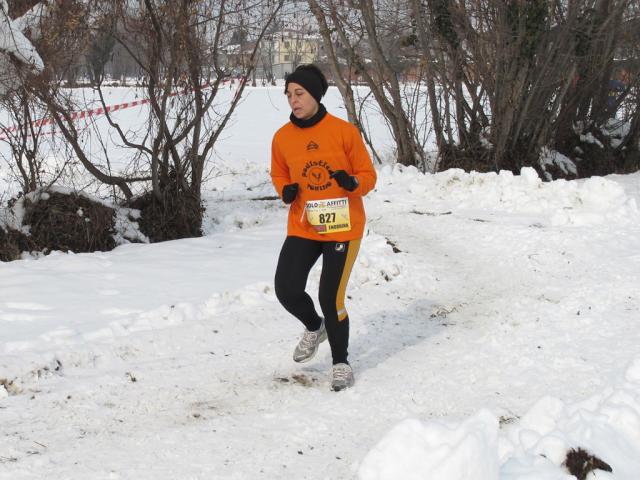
x=69 y=222
x=508 y=78
x=180 y=47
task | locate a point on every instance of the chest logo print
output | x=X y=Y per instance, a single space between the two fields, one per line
x=312 y=146
x=317 y=174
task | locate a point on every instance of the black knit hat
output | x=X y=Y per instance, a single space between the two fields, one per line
x=311 y=79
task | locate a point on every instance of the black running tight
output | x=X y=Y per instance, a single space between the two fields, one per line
x=297 y=257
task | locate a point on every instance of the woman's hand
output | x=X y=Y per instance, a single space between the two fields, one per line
x=346 y=181
x=289 y=193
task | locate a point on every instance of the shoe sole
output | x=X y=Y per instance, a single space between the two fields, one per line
x=310 y=357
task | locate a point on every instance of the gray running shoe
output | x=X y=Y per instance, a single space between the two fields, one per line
x=341 y=377
x=308 y=345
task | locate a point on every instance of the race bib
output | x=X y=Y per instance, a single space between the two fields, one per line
x=330 y=215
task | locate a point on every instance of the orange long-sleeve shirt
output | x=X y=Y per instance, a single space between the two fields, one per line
x=307 y=156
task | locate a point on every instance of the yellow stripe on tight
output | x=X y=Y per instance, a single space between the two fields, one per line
x=354 y=247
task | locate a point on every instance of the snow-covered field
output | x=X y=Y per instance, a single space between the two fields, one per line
x=493 y=328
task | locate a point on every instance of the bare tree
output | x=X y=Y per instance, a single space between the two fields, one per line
x=179 y=48
x=367 y=33
x=341 y=82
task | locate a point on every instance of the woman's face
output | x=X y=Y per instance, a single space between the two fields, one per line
x=303 y=105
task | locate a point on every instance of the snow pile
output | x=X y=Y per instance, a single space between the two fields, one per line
x=239 y=195
x=162 y=317
x=238 y=175
x=126 y=228
x=245 y=216
x=252 y=296
x=436 y=450
x=376 y=262
x=606 y=425
x=593 y=201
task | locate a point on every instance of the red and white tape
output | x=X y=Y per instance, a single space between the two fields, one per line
x=95 y=112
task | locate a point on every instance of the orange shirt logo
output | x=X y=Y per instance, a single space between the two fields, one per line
x=317 y=174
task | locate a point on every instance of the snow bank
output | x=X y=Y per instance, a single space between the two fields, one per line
x=440 y=449
x=126 y=227
x=377 y=263
x=594 y=201
x=230 y=301
x=607 y=425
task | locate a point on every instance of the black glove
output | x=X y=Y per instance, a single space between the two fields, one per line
x=345 y=180
x=289 y=193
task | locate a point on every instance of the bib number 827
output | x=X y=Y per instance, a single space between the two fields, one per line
x=327 y=218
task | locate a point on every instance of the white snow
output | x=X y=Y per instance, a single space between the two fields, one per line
x=12 y=41
x=563 y=162
x=500 y=333
x=414 y=450
x=534 y=447
x=589 y=138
